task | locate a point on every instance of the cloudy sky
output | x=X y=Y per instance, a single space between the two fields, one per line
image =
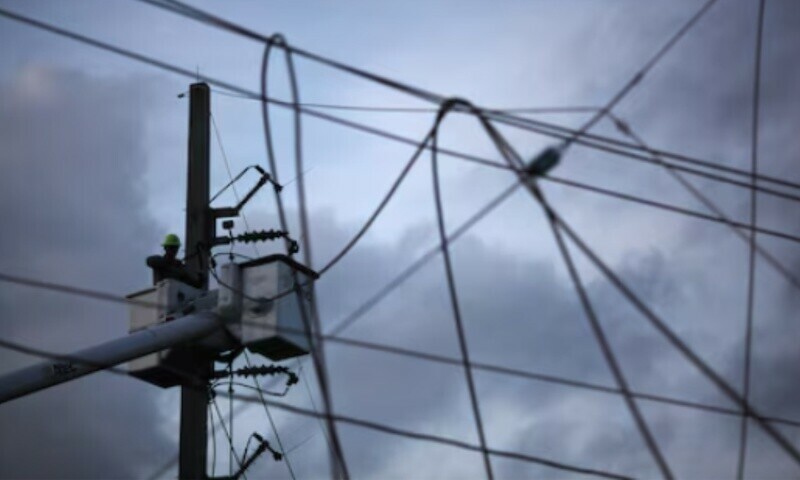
x=93 y=175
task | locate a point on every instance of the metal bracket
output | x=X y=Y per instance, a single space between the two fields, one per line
x=228 y=212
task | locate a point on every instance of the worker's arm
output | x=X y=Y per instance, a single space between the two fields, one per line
x=155 y=261
x=184 y=276
x=167 y=269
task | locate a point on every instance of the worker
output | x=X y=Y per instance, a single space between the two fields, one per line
x=168 y=266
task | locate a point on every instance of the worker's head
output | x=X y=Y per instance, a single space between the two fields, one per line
x=171 y=244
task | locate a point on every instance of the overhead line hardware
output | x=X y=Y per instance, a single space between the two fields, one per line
x=263 y=446
x=260 y=236
x=527 y=125
x=227 y=212
x=260 y=370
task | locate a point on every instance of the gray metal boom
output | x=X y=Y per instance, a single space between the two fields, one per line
x=71 y=366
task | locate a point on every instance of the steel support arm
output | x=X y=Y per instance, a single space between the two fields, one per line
x=71 y=366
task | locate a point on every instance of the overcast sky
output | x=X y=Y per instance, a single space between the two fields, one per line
x=93 y=175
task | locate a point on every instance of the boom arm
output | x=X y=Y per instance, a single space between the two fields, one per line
x=69 y=367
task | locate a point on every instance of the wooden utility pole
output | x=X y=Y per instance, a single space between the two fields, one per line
x=199 y=237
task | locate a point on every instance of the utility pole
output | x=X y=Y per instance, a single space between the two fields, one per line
x=200 y=232
x=196 y=328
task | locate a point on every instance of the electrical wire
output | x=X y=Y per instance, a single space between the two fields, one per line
x=679 y=210
x=381 y=294
x=608 y=353
x=301 y=374
x=227 y=434
x=174 y=460
x=338 y=462
x=628 y=87
x=419 y=355
x=375 y=426
x=200 y=15
x=230 y=417
x=451 y=287
x=213 y=442
x=300 y=444
x=673 y=338
x=393 y=431
x=388 y=135
x=230 y=176
x=652 y=152
x=258 y=254
x=385 y=109
x=215 y=21
x=751 y=266
x=384 y=201
x=359 y=312
x=574 y=239
x=394 y=137
x=514 y=160
x=736 y=227
x=271 y=420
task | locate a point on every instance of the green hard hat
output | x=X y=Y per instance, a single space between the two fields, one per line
x=171 y=240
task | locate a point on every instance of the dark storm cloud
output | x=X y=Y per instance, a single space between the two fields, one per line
x=71 y=205
x=518 y=311
x=698 y=284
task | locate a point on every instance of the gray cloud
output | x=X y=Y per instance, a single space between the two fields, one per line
x=519 y=308
x=70 y=203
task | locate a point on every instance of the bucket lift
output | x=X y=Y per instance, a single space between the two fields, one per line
x=260 y=303
x=256 y=301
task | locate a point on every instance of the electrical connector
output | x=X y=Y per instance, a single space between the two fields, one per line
x=544 y=162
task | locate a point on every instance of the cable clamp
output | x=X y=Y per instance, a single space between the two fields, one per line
x=544 y=162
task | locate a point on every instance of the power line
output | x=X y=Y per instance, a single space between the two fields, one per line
x=513 y=159
x=269 y=416
x=668 y=207
x=202 y=16
x=391 y=136
x=227 y=434
x=349 y=420
x=643 y=71
x=213 y=441
x=436 y=358
x=674 y=339
x=445 y=441
x=230 y=176
x=401 y=139
x=387 y=109
x=751 y=274
x=736 y=227
x=421 y=261
x=564 y=133
x=174 y=460
x=629 y=150
x=392 y=190
x=338 y=462
x=345 y=322
x=500 y=116
x=451 y=287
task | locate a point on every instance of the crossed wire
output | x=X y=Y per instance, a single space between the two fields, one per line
x=255 y=248
x=598 y=116
x=569 y=136
x=748 y=336
x=616 y=99
x=338 y=462
x=452 y=153
x=515 y=160
x=599 y=142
